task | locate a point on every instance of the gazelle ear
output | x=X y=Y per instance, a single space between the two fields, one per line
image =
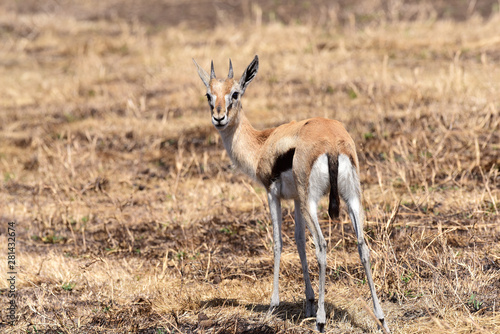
x=202 y=73
x=249 y=74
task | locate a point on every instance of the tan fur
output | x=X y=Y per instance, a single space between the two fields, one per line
x=268 y=155
x=310 y=138
x=220 y=88
x=256 y=151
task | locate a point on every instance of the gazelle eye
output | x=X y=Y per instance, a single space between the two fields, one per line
x=208 y=97
x=235 y=95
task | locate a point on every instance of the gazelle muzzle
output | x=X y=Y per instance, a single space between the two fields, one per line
x=219 y=122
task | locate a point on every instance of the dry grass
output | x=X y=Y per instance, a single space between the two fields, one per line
x=130 y=218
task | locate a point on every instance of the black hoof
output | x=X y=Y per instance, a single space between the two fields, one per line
x=320 y=327
x=384 y=325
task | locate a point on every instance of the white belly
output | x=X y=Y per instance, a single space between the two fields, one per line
x=319 y=181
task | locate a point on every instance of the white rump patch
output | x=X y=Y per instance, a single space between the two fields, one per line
x=348 y=180
x=319 y=180
x=350 y=191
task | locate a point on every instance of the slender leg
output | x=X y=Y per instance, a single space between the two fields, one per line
x=300 y=240
x=275 y=209
x=356 y=216
x=350 y=190
x=309 y=212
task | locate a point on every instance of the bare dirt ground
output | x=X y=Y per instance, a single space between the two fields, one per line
x=130 y=219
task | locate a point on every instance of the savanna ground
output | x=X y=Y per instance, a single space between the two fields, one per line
x=130 y=218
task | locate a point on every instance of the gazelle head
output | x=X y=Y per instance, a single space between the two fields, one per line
x=224 y=95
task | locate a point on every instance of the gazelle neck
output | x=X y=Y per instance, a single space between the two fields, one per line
x=243 y=143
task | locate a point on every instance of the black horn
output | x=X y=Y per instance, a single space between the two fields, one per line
x=230 y=75
x=212 y=72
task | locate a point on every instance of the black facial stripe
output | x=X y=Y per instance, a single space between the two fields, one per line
x=209 y=98
x=283 y=163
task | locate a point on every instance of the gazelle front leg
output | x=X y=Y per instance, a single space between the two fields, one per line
x=275 y=209
x=300 y=240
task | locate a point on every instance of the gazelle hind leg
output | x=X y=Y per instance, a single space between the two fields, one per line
x=350 y=190
x=309 y=212
x=300 y=240
x=364 y=254
x=310 y=192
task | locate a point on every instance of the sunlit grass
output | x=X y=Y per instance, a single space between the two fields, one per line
x=131 y=218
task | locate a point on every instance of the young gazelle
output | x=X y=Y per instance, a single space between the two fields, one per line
x=302 y=161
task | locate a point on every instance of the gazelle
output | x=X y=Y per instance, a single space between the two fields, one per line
x=302 y=161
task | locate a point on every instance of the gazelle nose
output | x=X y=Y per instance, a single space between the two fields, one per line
x=219 y=122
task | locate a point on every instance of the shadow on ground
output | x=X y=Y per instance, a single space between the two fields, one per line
x=292 y=311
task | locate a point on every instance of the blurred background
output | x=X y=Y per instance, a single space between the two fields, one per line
x=208 y=14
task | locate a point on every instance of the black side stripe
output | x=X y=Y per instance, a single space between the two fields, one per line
x=283 y=163
x=333 y=168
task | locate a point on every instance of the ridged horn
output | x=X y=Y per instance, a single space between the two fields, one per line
x=230 y=75
x=212 y=72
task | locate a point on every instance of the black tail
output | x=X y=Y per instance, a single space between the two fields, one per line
x=333 y=168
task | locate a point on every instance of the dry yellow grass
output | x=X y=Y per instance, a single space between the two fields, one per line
x=130 y=218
